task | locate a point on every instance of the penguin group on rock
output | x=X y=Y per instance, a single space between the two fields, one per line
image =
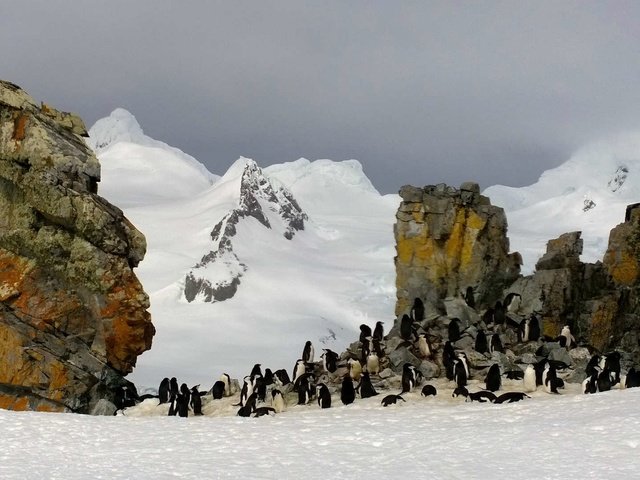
x=469 y=349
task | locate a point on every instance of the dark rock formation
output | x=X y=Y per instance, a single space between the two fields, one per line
x=73 y=316
x=217 y=276
x=448 y=240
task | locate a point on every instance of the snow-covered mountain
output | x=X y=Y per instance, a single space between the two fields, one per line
x=304 y=250
x=323 y=266
x=589 y=193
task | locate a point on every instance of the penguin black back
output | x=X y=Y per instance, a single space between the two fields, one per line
x=196 y=401
x=217 y=391
x=406 y=327
x=324 y=396
x=493 y=381
x=418 y=310
x=454 y=330
x=391 y=400
x=347 y=392
x=481 y=342
x=366 y=387
x=365 y=332
x=163 y=391
x=378 y=332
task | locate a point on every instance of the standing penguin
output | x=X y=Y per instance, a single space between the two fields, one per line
x=454 y=330
x=493 y=381
x=366 y=387
x=308 y=352
x=469 y=299
x=304 y=389
x=566 y=338
x=512 y=302
x=495 y=344
x=347 y=392
x=409 y=378
x=226 y=379
x=277 y=400
x=196 y=401
x=417 y=311
x=324 y=395
x=365 y=333
x=498 y=313
x=424 y=346
x=378 y=332
x=173 y=387
x=163 y=391
x=256 y=371
x=550 y=379
x=355 y=369
x=299 y=369
x=373 y=363
x=448 y=359
x=217 y=391
x=481 y=342
x=247 y=390
x=529 y=379
x=329 y=360
x=406 y=327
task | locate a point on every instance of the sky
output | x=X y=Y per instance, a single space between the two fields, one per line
x=419 y=92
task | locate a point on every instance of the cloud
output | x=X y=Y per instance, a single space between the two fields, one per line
x=419 y=92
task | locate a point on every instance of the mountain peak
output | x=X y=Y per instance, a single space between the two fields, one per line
x=119 y=126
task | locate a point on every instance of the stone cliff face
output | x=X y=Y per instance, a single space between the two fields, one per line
x=448 y=240
x=73 y=316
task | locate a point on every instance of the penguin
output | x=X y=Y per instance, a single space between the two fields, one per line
x=593 y=366
x=459 y=373
x=493 y=381
x=256 y=371
x=391 y=400
x=298 y=370
x=428 y=390
x=454 y=330
x=482 y=396
x=633 y=378
x=366 y=387
x=347 y=392
x=406 y=327
x=226 y=379
x=196 y=401
x=186 y=393
x=377 y=348
x=469 y=299
x=248 y=407
x=324 y=395
x=182 y=404
x=173 y=387
x=378 y=332
x=540 y=368
x=308 y=352
x=604 y=380
x=481 y=342
x=529 y=379
x=512 y=302
x=172 y=406
x=329 y=360
x=281 y=377
x=487 y=316
x=612 y=363
x=277 y=400
x=217 y=391
x=448 y=359
x=460 y=391
x=510 y=397
x=409 y=378
x=262 y=411
x=260 y=387
x=465 y=361
x=125 y=397
x=247 y=391
x=304 y=389
x=163 y=391
x=424 y=346
x=365 y=332
x=268 y=376
x=495 y=344
x=550 y=379
x=590 y=384
x=373 y=363
x=566 y=338
x=355 y=369
x=417 y=311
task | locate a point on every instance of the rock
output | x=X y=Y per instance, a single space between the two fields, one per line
x=399 y=357
x=562 y=252
x=386 y=373
x=560 y=355
x=457 y=308
x=103 y=407
x=448 y=240
x=478 y=360
x=429 y=369
x=465 y=343
x=73 y=315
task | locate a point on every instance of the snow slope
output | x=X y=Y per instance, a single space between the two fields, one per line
x=589 y=193
x=551 y=437
x=321 y=285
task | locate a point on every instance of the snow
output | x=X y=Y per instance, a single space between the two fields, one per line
x=549 y=436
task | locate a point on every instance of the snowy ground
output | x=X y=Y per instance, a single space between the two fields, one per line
x=548 y=436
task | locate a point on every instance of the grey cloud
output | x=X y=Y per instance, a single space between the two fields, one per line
x=419 y=92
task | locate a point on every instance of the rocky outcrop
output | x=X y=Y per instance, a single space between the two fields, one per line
x=73 y=316
x=448 y=240
x=217 y=276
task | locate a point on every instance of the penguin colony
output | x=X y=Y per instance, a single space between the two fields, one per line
x=363 y=369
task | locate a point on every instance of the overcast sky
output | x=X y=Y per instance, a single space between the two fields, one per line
x=420 y=92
